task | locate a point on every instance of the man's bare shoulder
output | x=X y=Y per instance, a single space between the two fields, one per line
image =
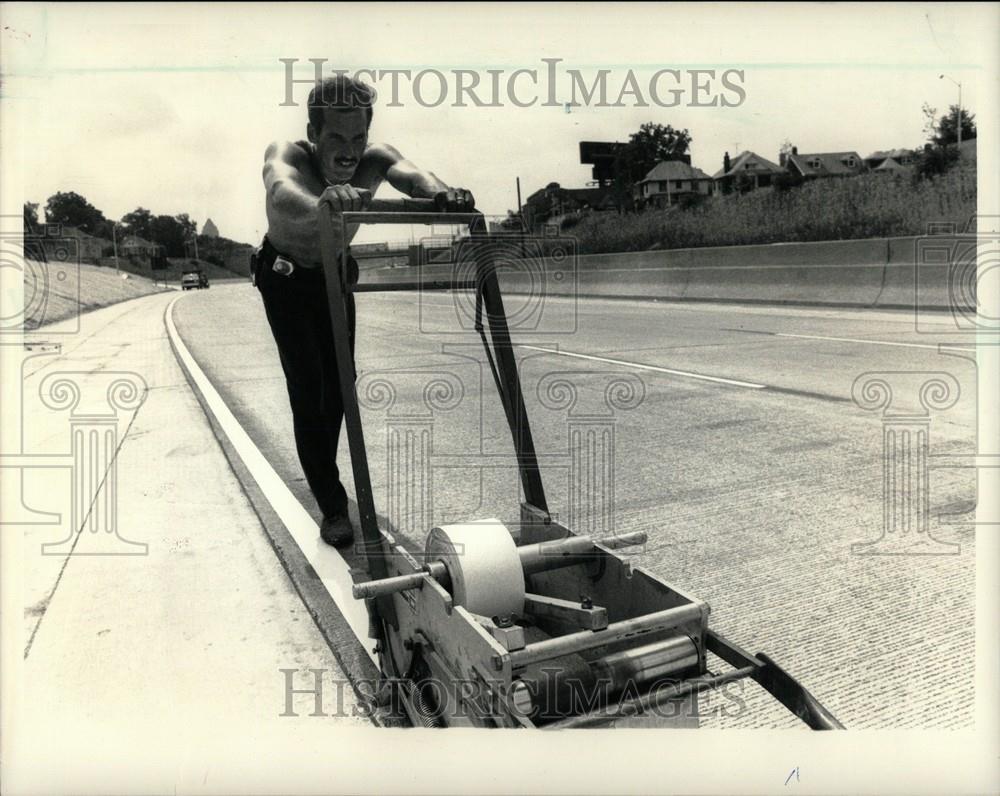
x=384 y=155
x=289 y=152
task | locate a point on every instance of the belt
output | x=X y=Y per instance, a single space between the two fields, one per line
x=269 y=257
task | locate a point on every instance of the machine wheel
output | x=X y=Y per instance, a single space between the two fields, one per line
x=404 y=675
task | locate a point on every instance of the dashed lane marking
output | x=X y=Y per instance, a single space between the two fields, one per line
x=867 y=342
x=640 y=366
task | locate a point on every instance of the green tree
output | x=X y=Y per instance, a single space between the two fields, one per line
x=138 y=222
x=169 y=233
x=646 y=147
x=651 y=144
x=189 y=226
x=30 y=216
x=930 y=119
x=73 y=210
x=33 y=249
x=935 y=160
x=946 y=130
x=940 y=153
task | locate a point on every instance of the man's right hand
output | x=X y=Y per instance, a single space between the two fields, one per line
x=345 y=198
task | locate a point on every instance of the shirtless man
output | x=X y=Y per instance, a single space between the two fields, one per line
x=336 y=164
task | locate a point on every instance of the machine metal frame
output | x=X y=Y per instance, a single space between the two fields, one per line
x=629 y=615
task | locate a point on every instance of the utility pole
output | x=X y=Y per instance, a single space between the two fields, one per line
x=114 y=243
x=520 y=220
x=958 y=121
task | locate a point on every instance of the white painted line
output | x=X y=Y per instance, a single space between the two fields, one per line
x=686 y=374
x=328 y=563
x=870 y=342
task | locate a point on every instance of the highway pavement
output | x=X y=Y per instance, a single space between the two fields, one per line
x=747 y=441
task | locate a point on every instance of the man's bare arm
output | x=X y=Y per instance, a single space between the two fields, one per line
x=414 y=181
x=292 y=197
x=293 y=194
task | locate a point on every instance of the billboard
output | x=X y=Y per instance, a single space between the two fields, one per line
x=595 y=152
x=602 y=155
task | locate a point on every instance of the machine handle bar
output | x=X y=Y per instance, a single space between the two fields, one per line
x=403 y=205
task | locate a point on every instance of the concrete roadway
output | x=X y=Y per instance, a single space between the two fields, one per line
x=746 y=461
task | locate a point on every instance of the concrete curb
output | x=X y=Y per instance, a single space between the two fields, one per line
x=343 y=643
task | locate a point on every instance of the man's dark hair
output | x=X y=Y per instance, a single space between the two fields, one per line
x=339 y=91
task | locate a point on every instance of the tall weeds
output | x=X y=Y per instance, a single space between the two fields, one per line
x=867 y=206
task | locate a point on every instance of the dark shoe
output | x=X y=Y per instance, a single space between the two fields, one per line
x=337 y=531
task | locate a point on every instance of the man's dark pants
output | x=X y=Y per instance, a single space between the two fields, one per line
x=299 y=316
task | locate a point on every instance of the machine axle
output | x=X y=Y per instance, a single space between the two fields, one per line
x=538 y=557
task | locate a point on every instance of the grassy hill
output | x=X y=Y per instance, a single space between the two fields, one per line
x=220 y=258
x=867 y=206
x=53 y=292
x=225 y=253
x=172 y=274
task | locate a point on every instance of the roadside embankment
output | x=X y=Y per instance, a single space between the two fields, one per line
x=56 y=291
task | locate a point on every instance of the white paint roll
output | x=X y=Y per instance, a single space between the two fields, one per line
x=482 y=561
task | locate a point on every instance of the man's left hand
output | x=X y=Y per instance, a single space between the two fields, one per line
x=455 y=200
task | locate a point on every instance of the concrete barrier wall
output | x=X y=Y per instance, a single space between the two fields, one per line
x=878 y=272
x=920 y=272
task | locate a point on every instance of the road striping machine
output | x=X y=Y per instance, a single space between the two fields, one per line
x=533 y=626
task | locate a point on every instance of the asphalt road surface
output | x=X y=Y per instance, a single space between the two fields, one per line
x=735 y=436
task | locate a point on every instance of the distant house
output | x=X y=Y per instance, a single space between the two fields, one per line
x=592 y=198
x=134 y=246
x=892 y=160
x=760 y=171
x=823 y=164
x=210 y=230
x=553 y=203
x=379 y=255
x=893 y=166
x=86 y=248
x=512 y=223
x=669 y=181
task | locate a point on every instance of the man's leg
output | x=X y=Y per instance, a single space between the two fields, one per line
x=294 y=323
x=333 y=404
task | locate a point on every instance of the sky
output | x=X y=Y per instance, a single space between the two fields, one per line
x=171 y=107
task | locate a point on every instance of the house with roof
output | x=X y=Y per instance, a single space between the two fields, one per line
x=749 y=169
x=901 y=157
x=85 y=248
x=134 y=246
x=670 y=181
x=209 y=230
x=823 y=164
x=892 y=161
x=551 y=204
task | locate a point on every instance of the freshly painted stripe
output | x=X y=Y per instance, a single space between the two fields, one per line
x=683 y=373
x=326 y=561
